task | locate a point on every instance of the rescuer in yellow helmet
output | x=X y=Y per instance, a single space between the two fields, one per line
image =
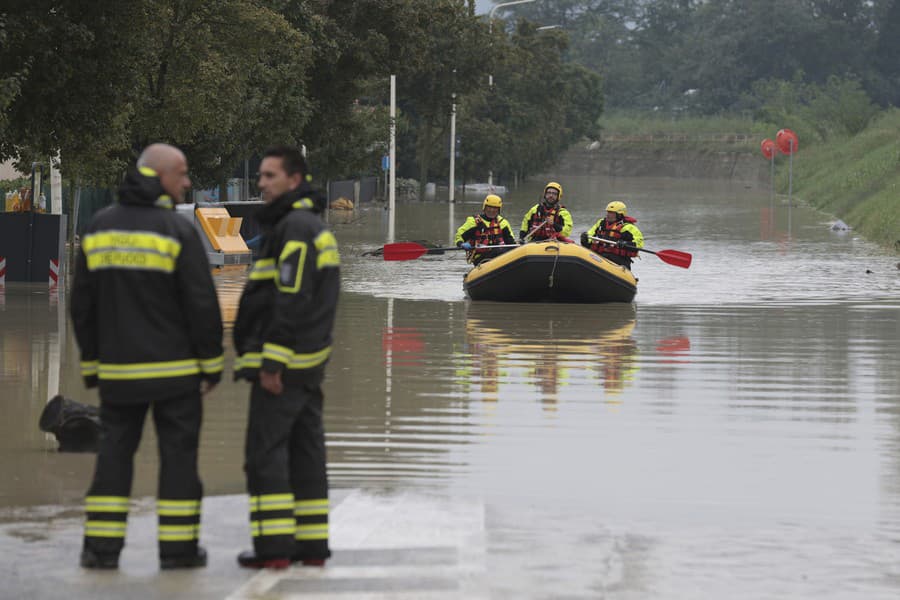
x=485 y=229
x=548 y=219
x=615 y=236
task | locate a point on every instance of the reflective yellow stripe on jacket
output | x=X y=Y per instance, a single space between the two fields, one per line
x=130 y=250
x=213 y=365
x=295 y=360
x=89 y=367
x=263 y=268
x=154 y=370
x=327 y=247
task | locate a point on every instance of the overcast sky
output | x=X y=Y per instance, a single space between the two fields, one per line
x=483 y=6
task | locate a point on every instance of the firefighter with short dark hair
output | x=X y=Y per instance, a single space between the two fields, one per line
x=147 y=320
x=548 y=219
x=282 y=336
x=485 y=229
x=619 y=236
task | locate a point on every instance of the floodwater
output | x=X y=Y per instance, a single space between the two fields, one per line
x=733 y=433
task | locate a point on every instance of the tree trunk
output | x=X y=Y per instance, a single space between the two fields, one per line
x=425 y=156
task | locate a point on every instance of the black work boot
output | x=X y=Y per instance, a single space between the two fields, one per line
x=250 y=560
x=94 y=560
x=184 y=561
x=311 y=554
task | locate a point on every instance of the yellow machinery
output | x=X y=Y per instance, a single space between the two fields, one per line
x=225 y=245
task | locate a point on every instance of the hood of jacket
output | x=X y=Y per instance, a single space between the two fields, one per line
x=142 y=186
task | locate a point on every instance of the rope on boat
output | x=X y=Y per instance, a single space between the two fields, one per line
x=553 y=270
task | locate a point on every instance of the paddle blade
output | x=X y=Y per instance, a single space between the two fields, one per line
x=404 y=251
x=675 y=257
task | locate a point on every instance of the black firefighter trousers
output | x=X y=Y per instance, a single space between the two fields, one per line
x=286 y=473
x=177 y=420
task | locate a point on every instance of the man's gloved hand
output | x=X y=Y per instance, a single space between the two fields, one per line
x=466 y=246
x=622 y=243
x=584 y=240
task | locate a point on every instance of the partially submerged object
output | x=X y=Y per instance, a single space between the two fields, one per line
x=840 y=226
x=75 y=425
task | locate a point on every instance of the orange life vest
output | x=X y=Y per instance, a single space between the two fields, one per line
x=546 y=231
x=488 y=233
x=613 y=233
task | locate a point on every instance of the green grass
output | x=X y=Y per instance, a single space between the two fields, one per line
x=700 y=133
x=856 y=179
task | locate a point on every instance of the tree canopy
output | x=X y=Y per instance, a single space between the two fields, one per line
x=703 y=57
x=222 y=79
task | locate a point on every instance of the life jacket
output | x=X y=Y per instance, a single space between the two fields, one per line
x=488 y=232
x=613 y=233
x=546 y=231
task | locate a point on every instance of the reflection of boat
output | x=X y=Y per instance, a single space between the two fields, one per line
x=555 y=347
x=550 y=272
x=530 y=330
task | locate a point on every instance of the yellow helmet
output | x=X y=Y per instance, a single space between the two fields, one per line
x=492 y=200
x=554 y=186
x=616 y=207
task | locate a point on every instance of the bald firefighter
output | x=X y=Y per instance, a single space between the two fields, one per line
x=621 y=235
x=147 y=320
x=485 y=229
x=548 y=219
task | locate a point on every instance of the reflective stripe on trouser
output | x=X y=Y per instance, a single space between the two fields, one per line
x=179 y=522
x=286 y=477
x=177 y=420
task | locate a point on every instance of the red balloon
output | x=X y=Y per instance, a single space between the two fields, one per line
x=768 y=148
x=787 y=141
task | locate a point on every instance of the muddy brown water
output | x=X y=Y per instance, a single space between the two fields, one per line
x=735 y=432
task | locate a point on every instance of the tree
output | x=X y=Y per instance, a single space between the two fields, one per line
x=444 y=56
x=539 y=105
x=102 y=79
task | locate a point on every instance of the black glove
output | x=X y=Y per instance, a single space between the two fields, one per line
x=622 y=244
x=585 y=241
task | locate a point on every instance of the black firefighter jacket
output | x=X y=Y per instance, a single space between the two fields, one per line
x=288 y=306
x=144 y=306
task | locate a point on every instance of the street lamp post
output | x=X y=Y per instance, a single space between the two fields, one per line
x=491 y=41
x=491 y=27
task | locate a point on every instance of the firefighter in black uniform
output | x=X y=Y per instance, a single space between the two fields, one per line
x=282 y=336
x=486 y=229
x=147 y=320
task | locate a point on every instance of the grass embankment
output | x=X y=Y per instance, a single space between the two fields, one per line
x=698 y=134
x=855 y=179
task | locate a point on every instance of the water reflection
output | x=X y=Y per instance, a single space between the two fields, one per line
x=551 y=348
